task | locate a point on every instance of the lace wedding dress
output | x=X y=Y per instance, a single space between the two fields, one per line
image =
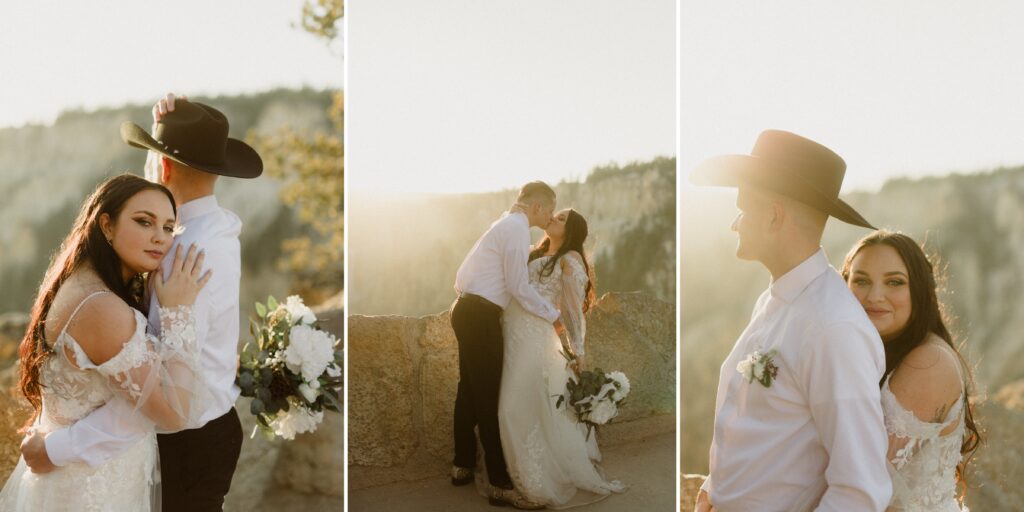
x=923 y=470
x=548 y=455
x=159 y=377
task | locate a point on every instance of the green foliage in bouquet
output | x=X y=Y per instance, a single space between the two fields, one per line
x=291 y=369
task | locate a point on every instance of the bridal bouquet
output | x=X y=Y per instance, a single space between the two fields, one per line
x=292 y=369
x=594 y=396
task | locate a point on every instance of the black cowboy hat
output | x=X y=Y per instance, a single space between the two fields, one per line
x=196 y=135
x=787 y=164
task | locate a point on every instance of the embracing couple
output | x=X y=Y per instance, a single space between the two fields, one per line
x=845 y=392
x=513 y=301
x=130 y=355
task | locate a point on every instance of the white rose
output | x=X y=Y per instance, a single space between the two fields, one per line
x=605 y=390
x=604 y=411
x=299 y=312
x=308 y=392
x=623 y=382
x=309 y=352
x=297 y=420
x=744 y=367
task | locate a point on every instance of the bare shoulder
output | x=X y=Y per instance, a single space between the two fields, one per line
x=102 y=326
x=928 y=380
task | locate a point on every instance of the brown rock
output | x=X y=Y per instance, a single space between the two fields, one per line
x=381 y=390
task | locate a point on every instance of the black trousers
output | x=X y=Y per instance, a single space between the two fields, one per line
x=196 y=465
x=477 y=325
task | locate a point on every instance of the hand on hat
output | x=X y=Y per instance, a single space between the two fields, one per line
x=160 y=109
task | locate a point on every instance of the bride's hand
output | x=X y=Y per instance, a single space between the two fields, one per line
x=181 y=287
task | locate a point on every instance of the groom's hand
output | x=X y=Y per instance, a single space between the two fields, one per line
x=34 y=450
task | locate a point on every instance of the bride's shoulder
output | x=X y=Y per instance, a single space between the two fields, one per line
x=102 y=326
x=927 y=381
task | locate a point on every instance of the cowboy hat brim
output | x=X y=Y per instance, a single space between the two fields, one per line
x=737 y=170
x=240 y=160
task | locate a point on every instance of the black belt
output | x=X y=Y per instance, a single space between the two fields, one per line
x=469 y=297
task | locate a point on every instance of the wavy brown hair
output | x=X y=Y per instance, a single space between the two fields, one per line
x=927 y=316
x=84 y=244
x=576 y=232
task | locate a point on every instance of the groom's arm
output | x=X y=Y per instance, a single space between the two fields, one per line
x=515 y=258
x=102 y=435
x=841 y=373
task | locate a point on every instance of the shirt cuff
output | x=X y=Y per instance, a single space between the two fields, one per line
x=553 y=316
x=58 y=447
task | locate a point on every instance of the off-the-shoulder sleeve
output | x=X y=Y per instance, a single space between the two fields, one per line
x=572 y=297
x=161 y=376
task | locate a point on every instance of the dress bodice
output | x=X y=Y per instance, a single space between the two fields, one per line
x=548 y=285
x=924 y=470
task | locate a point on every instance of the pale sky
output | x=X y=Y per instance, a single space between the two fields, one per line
x=457 y=96
x=896 y=88
x=60 y=55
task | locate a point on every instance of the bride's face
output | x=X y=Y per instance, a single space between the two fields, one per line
x=142 y=231
x=556 y=229
x=880 y=281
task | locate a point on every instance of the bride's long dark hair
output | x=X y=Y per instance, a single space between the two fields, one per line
x=84 y=244
x=927 y=316
x=575 y=234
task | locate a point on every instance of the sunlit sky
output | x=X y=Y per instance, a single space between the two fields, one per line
x=462 y=96
x=56 y=56
x=896 y=88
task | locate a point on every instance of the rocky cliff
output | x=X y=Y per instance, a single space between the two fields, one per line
x=411 y=246
x=403 y=374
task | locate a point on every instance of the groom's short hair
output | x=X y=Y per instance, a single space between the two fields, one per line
x=535 y=191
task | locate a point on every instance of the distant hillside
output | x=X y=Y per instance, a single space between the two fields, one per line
x=46 y=172
x=974 y=223
x=405 y=251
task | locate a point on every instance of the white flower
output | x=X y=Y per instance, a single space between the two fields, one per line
x=758 y=370
x=309 y=352
x=333 y=370
x=309 y=392
x=297 y=420
x=298 y=311
x=602 y=412
x=623 y=382
x=605 y=390
x=744 y=367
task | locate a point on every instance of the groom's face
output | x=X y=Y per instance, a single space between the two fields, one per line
x=751 y=223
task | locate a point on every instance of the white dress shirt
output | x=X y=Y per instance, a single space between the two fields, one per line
x=112 y=428
x=496 y=267
x=819 y=427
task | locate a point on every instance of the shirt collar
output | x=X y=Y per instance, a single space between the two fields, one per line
x=520 y=216
x=792 y=283
x=197 y=208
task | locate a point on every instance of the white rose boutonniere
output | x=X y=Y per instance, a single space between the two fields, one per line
x=759 y=367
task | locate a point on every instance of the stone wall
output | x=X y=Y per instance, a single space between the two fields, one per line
x=403 y=374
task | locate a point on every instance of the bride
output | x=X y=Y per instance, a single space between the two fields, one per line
x=930 y=422
x=86 y=344
x=547 y=452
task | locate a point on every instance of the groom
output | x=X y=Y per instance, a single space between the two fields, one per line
x=189 y=148
x=493 y=274
x=798 y=417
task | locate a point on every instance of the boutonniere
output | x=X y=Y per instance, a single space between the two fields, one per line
x=759 y=367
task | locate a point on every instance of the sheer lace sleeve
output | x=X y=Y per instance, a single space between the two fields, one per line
x=161 y=377
x=573 y=294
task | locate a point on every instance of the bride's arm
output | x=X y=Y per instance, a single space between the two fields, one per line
x=574 y=286
x=515 y=257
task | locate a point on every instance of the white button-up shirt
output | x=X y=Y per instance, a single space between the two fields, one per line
x=819 y=427
x=496 y=267
x=113 y=428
